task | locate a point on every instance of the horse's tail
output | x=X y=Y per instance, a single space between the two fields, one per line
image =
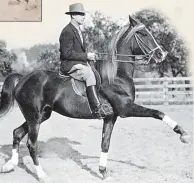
x=7 y=93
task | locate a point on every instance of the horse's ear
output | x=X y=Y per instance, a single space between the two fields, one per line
x=132 y=21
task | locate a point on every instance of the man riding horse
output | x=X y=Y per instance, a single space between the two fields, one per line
x=37 y=98
x=74 y=58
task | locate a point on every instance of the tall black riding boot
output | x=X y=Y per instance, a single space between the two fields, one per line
x=94 y=102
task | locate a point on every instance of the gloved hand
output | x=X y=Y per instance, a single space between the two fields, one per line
x=91 y=56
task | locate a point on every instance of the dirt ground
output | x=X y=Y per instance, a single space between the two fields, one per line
x=18 y=12
x=143 y=150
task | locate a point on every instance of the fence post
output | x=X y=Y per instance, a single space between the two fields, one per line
x=165 y=90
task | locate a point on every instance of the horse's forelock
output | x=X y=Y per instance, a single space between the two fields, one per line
x=130 y=33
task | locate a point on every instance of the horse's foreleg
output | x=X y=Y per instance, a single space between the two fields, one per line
x=131 y=109
x=106 y=136
x=18 y=135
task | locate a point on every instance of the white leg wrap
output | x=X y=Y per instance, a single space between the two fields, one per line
x=103 y=159
x=40 y=172
x=169 y=121
x=14 y=158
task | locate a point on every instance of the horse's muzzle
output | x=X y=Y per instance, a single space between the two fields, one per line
x=161 y=56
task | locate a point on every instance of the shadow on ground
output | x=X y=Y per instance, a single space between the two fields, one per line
x=62 y=149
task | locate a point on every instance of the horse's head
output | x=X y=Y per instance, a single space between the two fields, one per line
x=139 y=41
x=133 y=44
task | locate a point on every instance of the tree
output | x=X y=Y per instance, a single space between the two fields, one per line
x=49 y=57
x=99 y=33
x=39 y=56
x=6 y=59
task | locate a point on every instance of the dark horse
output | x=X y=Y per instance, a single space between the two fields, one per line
x=41 y=92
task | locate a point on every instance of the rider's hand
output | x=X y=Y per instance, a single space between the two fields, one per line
x=91 y=56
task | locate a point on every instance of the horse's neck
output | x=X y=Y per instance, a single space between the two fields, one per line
x=125 y=70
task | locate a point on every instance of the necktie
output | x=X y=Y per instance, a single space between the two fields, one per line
x=80 y=34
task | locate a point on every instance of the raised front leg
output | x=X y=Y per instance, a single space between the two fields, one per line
x=125 y=107
x=106 y=136
x=134 y=110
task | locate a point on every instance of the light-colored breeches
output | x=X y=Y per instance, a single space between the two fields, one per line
x=83 y=73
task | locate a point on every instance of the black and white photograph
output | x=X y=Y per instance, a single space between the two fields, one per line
x=20 y=10
x=96 y=91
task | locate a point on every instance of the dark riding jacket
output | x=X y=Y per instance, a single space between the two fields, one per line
x=72 y=51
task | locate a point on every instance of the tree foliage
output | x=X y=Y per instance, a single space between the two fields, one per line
x=99 y=33
x=49 y=57
x=6 y=59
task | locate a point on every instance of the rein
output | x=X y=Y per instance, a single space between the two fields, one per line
x=138 y=59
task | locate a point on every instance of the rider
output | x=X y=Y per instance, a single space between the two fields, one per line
x=74 y=58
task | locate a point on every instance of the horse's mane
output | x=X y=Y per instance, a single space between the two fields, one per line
x=109 y=66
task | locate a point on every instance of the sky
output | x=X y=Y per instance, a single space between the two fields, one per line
x=26 y=34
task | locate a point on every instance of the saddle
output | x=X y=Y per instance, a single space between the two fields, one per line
x=79 y=88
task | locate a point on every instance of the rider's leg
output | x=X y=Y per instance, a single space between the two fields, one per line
x=85 y=73
x=94 y=102
x=93 y=99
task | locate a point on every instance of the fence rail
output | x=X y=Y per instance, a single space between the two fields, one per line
x=162 y=91
x=165 y=91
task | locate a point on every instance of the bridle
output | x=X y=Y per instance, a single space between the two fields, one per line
x=145 y=48
x=148 y=52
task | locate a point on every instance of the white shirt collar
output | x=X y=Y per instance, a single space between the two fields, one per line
x=75 y=25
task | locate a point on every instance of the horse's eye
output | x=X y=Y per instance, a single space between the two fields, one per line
x=142 y=33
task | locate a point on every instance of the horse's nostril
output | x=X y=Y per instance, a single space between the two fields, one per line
x=159 y=54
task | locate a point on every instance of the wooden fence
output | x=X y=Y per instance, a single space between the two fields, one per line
x=163 y=91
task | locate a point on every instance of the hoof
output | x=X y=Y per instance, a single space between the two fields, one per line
x=185 y=139
x=8 y=167
x=104 y=174
x=45 y=179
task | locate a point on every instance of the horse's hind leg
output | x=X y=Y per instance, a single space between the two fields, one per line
x=35 y=115
x=106 y=136
x=33 y=129
x=18 y=135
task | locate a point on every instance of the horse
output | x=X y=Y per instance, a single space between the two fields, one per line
x=41 y=92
